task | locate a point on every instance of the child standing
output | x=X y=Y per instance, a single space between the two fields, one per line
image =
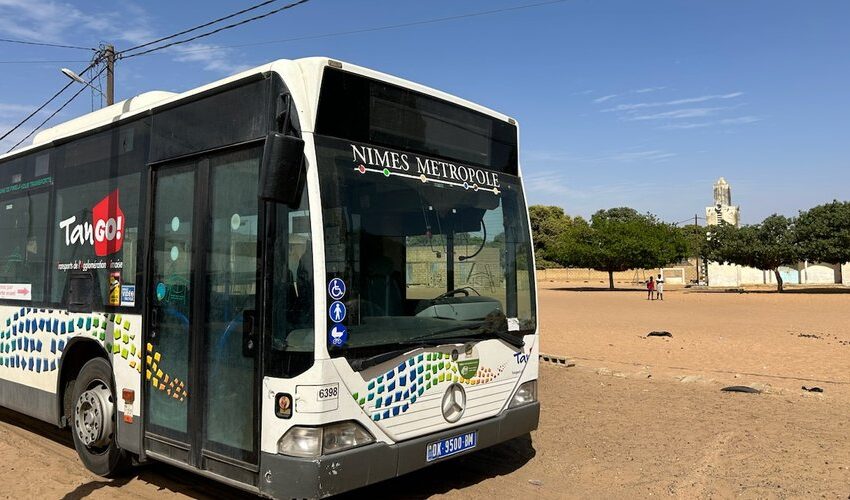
x=650 y=288
x=659 y=288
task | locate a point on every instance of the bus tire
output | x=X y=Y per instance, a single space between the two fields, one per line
x=93 y=420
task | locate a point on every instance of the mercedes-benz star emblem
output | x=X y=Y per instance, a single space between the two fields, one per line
x=454 y=403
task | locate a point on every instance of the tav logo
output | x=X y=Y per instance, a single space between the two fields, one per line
x=105 y=232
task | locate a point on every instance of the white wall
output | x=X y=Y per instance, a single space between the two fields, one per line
x=820 y=274
x=812 y=274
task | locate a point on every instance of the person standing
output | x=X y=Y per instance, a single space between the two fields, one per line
x=659 y=287
x=650 y=288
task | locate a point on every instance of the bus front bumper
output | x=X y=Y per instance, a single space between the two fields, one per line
x=289 y=477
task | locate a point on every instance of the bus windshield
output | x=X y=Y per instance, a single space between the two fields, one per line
x=427 y=248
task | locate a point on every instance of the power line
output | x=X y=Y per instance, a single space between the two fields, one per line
x=82 y=88
x=377 y=28
x=123 y=54
x=43 y=62
x=44 y=44
x=57 y=94
x=169 y=37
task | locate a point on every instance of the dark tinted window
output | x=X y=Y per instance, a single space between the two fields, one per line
x=292 y=318
x=23 y=248
x=236 y=115
x=364 y=110
x=24 y=201
x=98 y=200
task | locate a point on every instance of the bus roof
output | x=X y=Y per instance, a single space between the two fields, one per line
x=310 y=72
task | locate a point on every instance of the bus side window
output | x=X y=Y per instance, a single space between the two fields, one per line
x=23 y=222
x=292 y=318
x=110 y=201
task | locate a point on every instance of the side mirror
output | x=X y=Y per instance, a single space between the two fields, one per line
x=282 y=173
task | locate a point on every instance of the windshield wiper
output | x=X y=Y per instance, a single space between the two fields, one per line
x=363 y=363
x=456 y=328
x=510 y=339
x=432 y=339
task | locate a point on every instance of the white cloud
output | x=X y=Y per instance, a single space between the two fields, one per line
x=627 y=156
x=13 y=110
x=648 y=89
x=212 y=57
x=676 y=114
x=633 y=156
x=741 y=120
x=675 y=102
x=55 y=22
x=605 y=98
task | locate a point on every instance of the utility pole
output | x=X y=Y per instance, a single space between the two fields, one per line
x=695 y=224
x=109 y=54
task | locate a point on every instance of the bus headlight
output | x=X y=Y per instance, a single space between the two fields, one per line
x=527 y=393
x=344 y=436
x=310 y=442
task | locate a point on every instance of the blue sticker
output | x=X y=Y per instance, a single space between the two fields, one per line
x=161 y=291
x=337 y=312
x=338 y=335
x=128 y=295
x=336 y=288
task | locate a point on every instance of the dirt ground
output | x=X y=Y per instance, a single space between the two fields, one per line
x=636 y=416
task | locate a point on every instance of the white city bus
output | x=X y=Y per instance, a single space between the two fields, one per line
x=299 y=280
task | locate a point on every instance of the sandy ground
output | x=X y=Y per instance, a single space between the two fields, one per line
x=637 y=417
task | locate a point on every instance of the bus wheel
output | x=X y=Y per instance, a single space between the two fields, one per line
x=93 y=420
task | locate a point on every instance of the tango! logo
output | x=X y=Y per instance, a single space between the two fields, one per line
x=105 y=231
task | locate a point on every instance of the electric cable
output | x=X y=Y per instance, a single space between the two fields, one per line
x=82 y=88
x=123 y=54
x=44 y=44
x=169 y=37
x=44 y=62
x=376 y=28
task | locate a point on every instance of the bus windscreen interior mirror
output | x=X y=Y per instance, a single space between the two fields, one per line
x=282 y=173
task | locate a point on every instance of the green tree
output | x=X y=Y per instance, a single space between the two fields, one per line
x=619 y=239
x=823 y=233
x=547 y=224
x=768 y=245
x=695 y=239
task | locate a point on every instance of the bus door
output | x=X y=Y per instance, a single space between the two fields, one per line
x=201 y=371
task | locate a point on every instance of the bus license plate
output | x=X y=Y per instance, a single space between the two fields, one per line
x=450 y=446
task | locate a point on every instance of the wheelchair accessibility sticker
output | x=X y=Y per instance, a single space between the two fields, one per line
x=336 y=288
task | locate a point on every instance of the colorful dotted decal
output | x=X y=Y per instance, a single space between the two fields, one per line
x=24 y=344
x=160 y=380
x=394 y=392
x=21 y=348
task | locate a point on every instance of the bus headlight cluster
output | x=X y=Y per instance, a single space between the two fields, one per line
x=527 y=393
x=312 y=442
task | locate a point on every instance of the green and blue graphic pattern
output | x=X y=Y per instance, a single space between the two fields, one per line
x=23 y=344
x=392 y=393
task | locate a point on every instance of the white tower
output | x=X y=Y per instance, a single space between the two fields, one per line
x=722 y=193
x=723 y=210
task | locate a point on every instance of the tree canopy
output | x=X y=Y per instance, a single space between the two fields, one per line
x=767 y=246
x=823 y=233
x=618 y=239
x=547 y=224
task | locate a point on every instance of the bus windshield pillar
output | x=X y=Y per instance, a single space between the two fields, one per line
x=450 y=261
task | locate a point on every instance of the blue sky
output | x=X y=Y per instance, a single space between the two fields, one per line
x=621 y=103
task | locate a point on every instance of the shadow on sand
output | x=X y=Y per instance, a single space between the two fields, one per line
x=452 y=474
x=163 y=477
x=456 y=473
x=596 y=289
x=789 y=289
x=807 y=290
